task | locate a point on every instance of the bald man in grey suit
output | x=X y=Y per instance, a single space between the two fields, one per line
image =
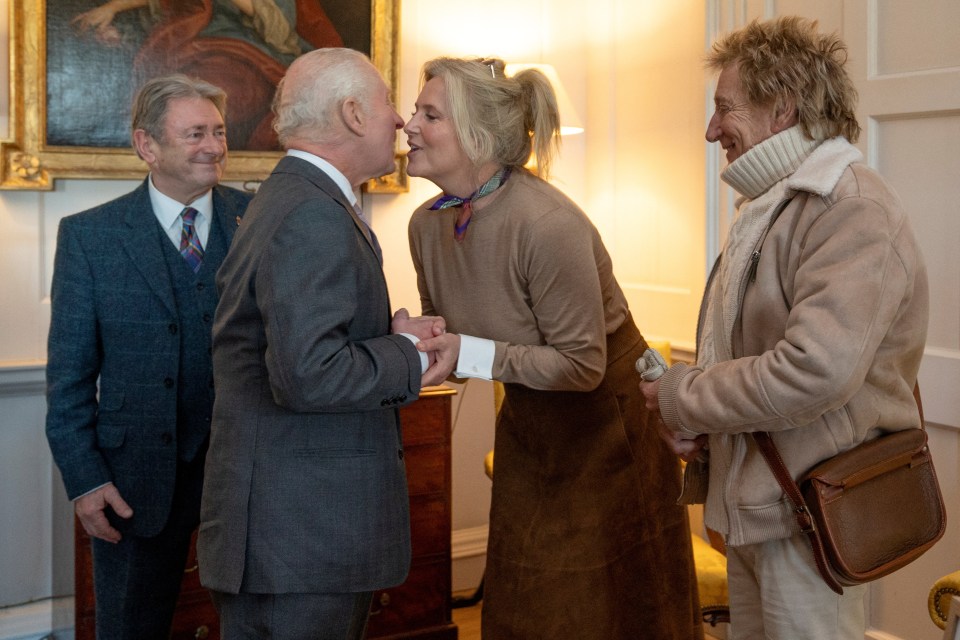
x=305 y=507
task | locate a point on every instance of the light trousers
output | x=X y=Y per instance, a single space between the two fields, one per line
x=776 y=593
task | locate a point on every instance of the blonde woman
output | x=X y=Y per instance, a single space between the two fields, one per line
x=586 y=540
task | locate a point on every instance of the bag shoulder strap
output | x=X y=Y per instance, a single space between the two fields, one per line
x=772 y=455
x=916 y=396
x=805 y=521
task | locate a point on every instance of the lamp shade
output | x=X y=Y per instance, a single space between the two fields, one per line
x=569 y=120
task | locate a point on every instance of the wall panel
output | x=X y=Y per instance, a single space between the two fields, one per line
x=917 y=36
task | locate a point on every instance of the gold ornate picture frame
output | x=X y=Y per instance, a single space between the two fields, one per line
x=37 y=154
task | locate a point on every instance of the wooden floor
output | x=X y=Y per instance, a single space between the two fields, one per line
x=468 y=620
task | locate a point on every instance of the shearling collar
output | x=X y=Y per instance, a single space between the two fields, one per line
x=821 y=171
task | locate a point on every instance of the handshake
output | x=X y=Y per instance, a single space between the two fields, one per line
x=441 y=348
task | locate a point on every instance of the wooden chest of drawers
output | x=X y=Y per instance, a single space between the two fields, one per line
x=419 y=608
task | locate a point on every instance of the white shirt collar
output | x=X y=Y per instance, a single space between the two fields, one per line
x=334 y=173
x=168 y=210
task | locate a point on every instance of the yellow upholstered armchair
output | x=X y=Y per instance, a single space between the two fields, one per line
x=941 y=594
x=711 y=566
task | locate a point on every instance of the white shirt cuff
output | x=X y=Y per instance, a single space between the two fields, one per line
x=91 y=491
x=476 y=358
x=424 y=363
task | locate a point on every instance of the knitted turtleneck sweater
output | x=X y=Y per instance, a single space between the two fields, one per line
x=759 y=175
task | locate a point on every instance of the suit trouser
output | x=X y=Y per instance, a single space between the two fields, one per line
x=292 y=616
x=776 y=593
x=137 y=581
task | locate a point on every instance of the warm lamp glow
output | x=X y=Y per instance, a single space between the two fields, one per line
x=569 y=120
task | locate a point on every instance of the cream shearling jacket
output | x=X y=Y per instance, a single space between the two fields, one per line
x=826 y=346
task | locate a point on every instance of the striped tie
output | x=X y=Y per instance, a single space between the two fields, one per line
x=190 y=247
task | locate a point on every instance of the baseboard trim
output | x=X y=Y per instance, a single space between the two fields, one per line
x=37 y=619
x=469 y=543
x=22 y=379
x=468 y=552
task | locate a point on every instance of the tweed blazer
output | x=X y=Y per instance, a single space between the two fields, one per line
x=305 y=488
x=113 y=353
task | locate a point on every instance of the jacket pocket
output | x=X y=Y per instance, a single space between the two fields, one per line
x=110 y=436
x=110 y=401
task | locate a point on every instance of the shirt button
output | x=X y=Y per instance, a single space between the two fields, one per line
x=206 y=317
x=200 y=286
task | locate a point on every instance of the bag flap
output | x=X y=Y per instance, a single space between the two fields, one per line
x=869 y=459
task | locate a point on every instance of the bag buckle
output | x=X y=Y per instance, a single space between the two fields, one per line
x=807 y=524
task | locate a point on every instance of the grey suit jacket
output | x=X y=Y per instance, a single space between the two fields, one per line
x=114 y=321
x=305 y=488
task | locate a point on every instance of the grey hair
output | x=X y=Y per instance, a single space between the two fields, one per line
x=151 y=103
x=326 y=78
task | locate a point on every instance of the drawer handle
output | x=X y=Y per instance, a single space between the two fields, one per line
x=384 y=603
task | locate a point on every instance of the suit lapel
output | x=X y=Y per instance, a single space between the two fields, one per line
x=228 y=221
x=364 y=229
x=143 y=248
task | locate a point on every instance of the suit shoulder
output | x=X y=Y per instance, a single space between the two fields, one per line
x=108 y=213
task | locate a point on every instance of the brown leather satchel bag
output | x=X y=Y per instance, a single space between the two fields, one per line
x=868 y=511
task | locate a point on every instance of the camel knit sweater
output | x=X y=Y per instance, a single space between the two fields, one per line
x=531 y=274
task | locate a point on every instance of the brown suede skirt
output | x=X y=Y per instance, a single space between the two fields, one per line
x=586 y=539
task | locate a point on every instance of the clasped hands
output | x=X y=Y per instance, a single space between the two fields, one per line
x=688 y=449
x=442 y=348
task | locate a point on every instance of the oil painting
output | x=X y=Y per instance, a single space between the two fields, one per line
x=76 y=64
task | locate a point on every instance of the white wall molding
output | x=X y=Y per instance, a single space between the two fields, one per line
x=22 y=379
x=873 y=634
x=36 y=618
x=469 y=543
x=939 y=381
x=468 y=552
